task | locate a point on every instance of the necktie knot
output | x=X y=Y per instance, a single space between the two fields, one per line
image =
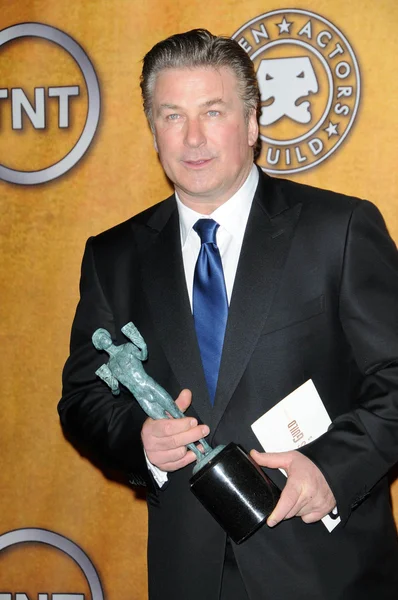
x=206 y=230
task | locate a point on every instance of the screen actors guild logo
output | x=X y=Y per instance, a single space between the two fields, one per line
x=283 y=81
x=309 y=84
x=49 y=103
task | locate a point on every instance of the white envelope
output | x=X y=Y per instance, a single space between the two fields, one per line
x=296 y=420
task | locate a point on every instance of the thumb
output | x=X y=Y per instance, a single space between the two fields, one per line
x=184 y=400
x=272 y=460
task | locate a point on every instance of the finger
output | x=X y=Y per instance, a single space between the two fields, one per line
x=173 y=465
x=272 y=460
x=167 y=457
x=296 y=510
x=163 y=428
x=163 y=457
x=312 y=517
x=288 y=504
x=171 y=437
x=317 y=510
x=186 y=437
x=155 y=433
x=184 y=400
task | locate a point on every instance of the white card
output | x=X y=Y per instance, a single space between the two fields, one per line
x=296 y=420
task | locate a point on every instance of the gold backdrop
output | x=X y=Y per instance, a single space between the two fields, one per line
x=44 y=482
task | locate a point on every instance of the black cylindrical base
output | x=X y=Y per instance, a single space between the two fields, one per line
x=235 y=491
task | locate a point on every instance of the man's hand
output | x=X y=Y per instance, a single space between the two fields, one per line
x=306 y=494
x=165 y=440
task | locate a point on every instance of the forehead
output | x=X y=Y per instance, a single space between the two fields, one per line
x=199 y=83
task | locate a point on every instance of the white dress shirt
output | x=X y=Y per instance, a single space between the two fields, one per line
x=232 y=217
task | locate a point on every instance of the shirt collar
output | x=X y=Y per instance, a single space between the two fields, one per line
x=232 y=215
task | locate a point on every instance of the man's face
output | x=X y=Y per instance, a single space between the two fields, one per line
x=203 y=139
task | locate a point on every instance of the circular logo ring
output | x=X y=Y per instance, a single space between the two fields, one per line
x=52 y=34
x=43 y=536
x=268 y=44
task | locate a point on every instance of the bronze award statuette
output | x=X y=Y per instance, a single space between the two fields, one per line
x=226 y=480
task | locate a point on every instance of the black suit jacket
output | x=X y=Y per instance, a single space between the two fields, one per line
x=315 y=296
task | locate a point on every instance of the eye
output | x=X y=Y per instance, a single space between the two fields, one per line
x=213 y=113
x=172 y=117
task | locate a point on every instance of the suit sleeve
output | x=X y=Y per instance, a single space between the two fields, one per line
x=362 y=445
x=105 y=427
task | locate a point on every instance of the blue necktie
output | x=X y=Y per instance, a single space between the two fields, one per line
x=210 y=303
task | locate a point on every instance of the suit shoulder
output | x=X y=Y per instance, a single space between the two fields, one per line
x=328 y=210
x=119 y=235
x=318 y=198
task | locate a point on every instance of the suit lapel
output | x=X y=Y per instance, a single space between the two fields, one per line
x=164 y=283
x=265 y=247
x=264 y=250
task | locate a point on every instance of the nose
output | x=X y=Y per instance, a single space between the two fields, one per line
x=194 y=134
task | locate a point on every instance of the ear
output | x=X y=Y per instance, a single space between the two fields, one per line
x=252 y=128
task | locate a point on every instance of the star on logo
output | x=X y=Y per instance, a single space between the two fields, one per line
x=284 y=26
x=331 y=129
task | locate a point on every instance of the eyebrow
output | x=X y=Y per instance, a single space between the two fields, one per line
x=212 y=102
x=206 y=104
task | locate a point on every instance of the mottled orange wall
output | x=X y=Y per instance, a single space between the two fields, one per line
x=44 y=482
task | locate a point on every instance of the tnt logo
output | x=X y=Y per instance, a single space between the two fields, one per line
x=42 y=597
x=49 y=103
x=36 y=564
x=309 y=84
x=36 y=113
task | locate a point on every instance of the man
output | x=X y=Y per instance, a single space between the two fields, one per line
x=311 y=279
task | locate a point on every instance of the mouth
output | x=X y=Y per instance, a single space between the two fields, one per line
x=199 y=163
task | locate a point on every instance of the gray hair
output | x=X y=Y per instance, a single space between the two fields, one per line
x=200 y=48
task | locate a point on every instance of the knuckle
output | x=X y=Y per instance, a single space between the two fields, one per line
x=173 y=443
x=178 y=461
x=168 y=427
x=311 y=517
x=154 y=459
x=145 y=428
x=182 y=452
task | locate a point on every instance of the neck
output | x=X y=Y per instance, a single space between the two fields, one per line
x=205 y=205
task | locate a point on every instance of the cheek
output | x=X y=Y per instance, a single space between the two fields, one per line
x=233 y=139
x=167 y=152
x=236 y=144
x=167 y=141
